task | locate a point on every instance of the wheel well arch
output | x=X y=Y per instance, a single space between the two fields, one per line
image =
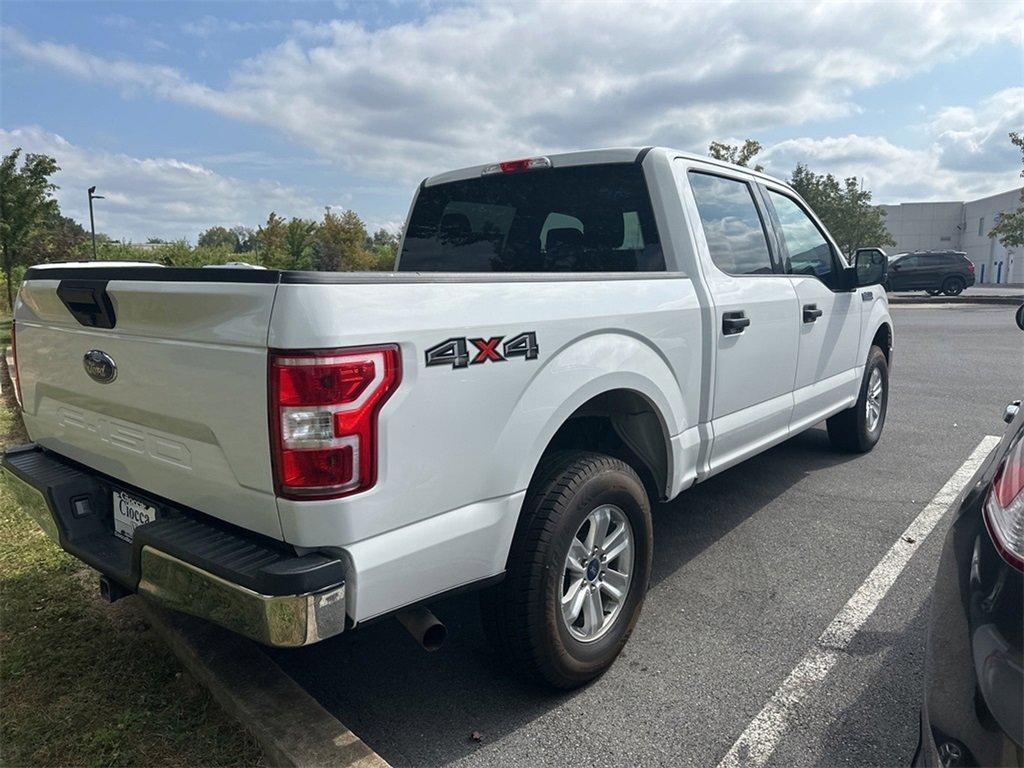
x=883 y=340
x=622 y=423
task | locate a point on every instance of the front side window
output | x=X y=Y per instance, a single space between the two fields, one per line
x=732 y=224
x=589 y=218
x=809 y=252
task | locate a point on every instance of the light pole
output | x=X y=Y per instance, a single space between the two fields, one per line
x=92 y=221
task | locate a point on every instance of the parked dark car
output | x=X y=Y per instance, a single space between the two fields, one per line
x=936 y=272
x=973 y=711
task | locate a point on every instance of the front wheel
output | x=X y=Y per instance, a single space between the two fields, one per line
x=577 y=573
x=857 y=429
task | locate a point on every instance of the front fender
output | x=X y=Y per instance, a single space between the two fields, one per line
x=877 y=316
x=586 y=367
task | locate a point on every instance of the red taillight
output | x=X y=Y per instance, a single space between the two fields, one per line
x=1004 y=508
x=15 y=378
x=323 y=409
x=970 y=267
x=512 y=166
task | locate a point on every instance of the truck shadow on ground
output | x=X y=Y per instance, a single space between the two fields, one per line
x=422 y=708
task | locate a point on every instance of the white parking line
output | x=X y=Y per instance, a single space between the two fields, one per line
x=757 y=743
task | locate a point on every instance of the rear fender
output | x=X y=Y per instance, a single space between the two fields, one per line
x=581 y=370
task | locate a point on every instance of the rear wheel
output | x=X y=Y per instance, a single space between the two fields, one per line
x=857 y=429
x=577 y=573
x=953 y=286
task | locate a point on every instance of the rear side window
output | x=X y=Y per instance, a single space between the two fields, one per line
x=732 y=224
x=590 y=218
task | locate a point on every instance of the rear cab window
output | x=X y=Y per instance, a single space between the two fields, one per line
x=589 y=218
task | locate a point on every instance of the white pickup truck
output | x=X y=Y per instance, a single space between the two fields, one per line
x=564 y=341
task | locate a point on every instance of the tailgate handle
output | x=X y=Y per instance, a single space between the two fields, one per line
x=88 y=301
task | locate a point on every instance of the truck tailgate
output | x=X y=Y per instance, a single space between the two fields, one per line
x=185 y=416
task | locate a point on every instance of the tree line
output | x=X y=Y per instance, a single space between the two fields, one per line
x=34 y=231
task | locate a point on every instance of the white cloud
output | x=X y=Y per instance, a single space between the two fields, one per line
x=154 y=197
x=976 y=140
x=471 y=83
x=969 y=155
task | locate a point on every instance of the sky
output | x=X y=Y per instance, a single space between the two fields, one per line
x=189 y=115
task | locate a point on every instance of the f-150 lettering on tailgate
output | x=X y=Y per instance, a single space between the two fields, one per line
x=126 y=436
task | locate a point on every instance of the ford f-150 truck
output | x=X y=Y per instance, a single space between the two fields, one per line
x=564 y=341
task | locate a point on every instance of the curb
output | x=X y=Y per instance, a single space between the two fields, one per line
x=290 y=725
x=948 y=300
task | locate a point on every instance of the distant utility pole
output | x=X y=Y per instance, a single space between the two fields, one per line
x=92 y=221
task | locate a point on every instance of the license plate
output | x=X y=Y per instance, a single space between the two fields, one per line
x=129 y=514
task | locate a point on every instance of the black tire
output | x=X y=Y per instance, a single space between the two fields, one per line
x=848 y=430
x=933 y=291
x=953 y=286
x=522 y=615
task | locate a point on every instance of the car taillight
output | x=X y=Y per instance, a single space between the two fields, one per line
x=15 y=378
x=324 y=405
x=1004 y=508
x=970 y=267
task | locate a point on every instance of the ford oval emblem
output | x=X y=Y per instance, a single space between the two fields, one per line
x=100 y=366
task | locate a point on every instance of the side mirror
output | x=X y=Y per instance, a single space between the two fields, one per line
x=870 y=267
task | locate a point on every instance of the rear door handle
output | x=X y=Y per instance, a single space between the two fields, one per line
x=734 y=322
x=811 y=313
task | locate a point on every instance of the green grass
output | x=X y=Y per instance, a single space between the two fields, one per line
x=84 y=683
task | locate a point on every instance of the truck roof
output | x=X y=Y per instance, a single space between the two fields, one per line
x=595 y=157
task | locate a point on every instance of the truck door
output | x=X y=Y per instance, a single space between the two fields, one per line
x=827 y=377
x=755 y=310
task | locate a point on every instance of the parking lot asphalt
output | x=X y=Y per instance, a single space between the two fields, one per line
x=749 y=568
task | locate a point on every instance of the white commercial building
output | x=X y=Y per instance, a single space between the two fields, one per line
x=960 y=226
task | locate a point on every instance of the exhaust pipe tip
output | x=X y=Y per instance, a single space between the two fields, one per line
x=425 y=627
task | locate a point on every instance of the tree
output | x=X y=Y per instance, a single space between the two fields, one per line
x=844 y=208
x=245 y=239
x=1010 y=226
x=382 y=248
x=58 y=238
x=338 y=242
x=298 y=243
x=271 y=238
x=26 y=203
x=218 y=237
x=730 y=153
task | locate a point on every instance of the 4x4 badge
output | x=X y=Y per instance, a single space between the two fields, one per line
x=455 y=351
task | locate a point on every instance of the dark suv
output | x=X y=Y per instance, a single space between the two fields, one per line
x=936 y=272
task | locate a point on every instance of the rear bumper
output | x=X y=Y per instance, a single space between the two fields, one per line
x=184 y=560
